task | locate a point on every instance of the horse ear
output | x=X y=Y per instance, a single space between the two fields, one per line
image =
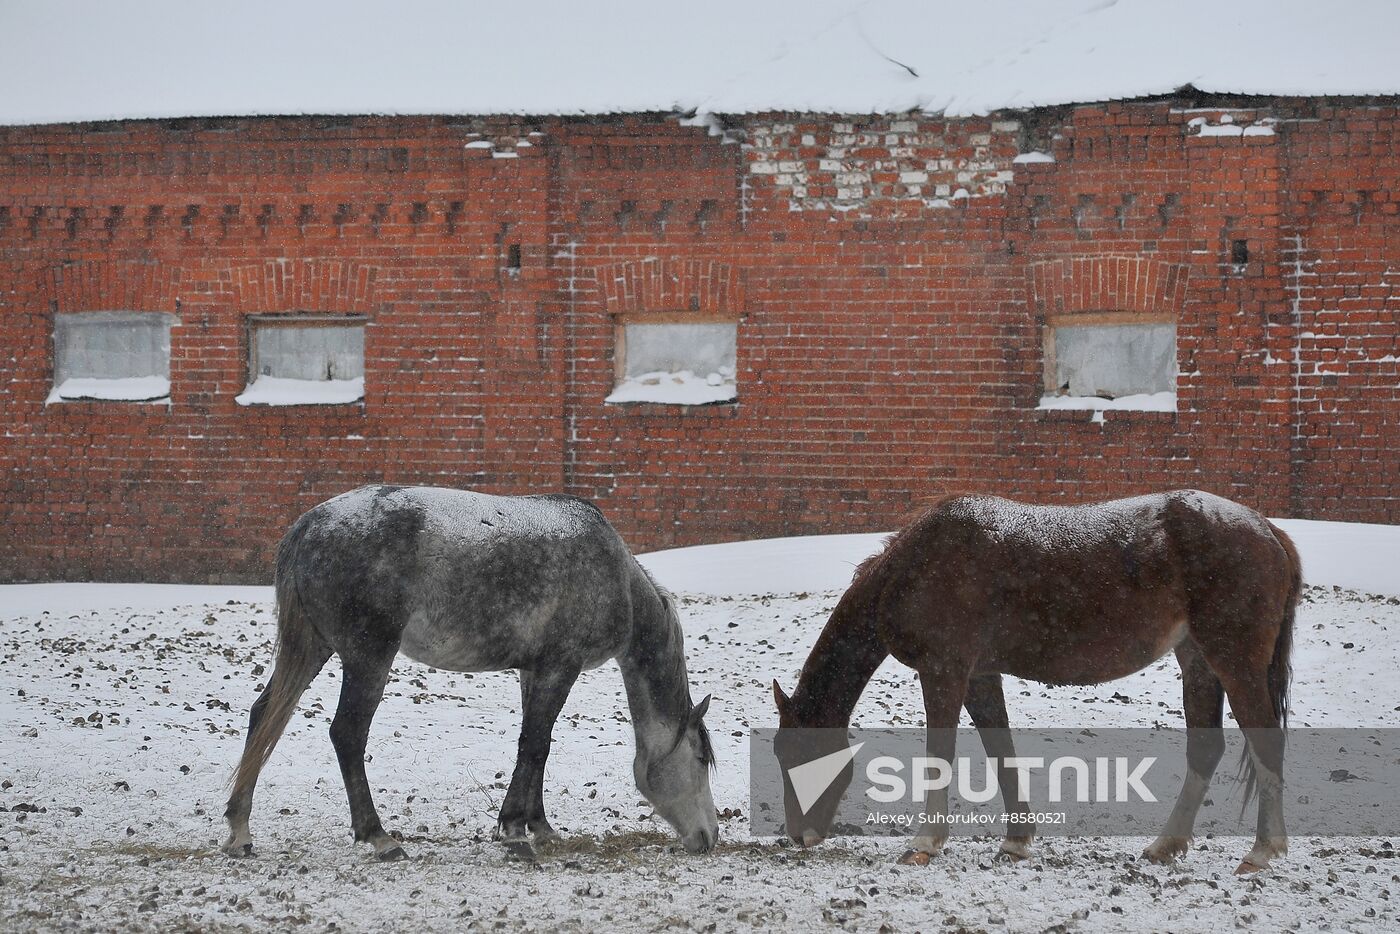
x=779 y=697
x=697 y=713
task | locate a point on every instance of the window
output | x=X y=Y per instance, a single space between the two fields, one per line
x=1113 y=361
x=305 y=360
x=676 y=362
x=114 y=355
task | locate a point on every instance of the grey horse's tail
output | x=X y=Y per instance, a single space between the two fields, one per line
x=300 y=654
x=1280 y=672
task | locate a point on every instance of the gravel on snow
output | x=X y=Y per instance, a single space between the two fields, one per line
x=119 y=728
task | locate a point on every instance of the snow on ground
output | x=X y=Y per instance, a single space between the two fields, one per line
x=1353 y=555
x=121 y=716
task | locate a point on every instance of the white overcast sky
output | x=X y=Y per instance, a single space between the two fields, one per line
x=73 y=60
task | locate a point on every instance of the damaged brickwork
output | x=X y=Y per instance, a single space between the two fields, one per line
x=884 y=163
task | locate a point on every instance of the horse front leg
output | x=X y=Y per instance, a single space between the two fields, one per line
x=1204 y=703
x=542 y=696
x=944 y=692
x=987 y=706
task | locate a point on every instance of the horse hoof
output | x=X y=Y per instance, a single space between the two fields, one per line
x=1165 y=850
x=520 y=851
x=510 y=832
x=1246 y=867
x=391 y=855
x=914 y=858
x=1014 y=852
x=238 y=850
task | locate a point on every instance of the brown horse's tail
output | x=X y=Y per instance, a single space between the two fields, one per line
x=1280 y=666
x=299 y=656
x=1280 y=672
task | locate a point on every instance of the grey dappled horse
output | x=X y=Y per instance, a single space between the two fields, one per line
x=469 y=582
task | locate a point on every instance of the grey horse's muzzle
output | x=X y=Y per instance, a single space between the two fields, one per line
x=700 y=841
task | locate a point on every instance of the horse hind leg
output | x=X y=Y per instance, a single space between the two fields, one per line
x=542 y=694
x=300 y=656
x=1254 y=711
x=986 y=705
x=1204 y=703
x=361 y=691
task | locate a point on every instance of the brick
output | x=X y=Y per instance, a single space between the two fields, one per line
x=889 y=346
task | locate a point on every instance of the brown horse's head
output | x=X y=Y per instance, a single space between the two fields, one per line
x=810 y=796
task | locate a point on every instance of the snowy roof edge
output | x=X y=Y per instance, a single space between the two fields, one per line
x=1144 y=97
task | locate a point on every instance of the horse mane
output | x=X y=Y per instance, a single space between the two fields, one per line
x=668 y=605
x=915 y=519
x=707 y=749
x=848 y=650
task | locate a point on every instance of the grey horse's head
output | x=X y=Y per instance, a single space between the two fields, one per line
x=674 y=775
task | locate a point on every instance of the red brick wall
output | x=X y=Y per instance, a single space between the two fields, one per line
x=1341 y=281
x=215 y=220
x=891 y=279
x=1135 y=182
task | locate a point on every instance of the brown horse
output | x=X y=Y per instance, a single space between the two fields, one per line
x=977 y=587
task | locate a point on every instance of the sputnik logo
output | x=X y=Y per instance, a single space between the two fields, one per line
x=810 y=780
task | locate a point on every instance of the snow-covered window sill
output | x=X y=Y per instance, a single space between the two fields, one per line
x=277 y=390
x=1145 y=402
x=681 y=388
x=121 y=389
